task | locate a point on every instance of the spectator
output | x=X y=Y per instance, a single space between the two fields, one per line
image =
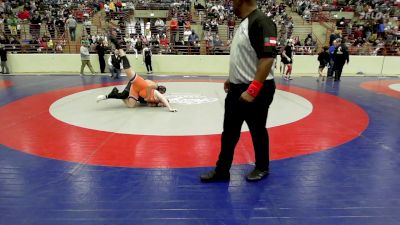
x=24 y=14
x=218 y=45
x=160 y=26
x=35 y=23
x=139 y=45
x=147 y=59
x=71 y=24
x=231 y=27
x=3 y=56
x=50 y=22
x=85 y=57
x=12 y=23
x=341 y=24
x=186 y=35
x=381 y=29
x=15 y=45
x=173 y=26
x=193 y=38
x=308 y=41
x=60 y=26
x=101 y=50
x=87 y=24
x=138 y=28
x=114 y=63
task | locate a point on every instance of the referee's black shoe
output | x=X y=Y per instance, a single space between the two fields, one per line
x=213 y=176
x=257 y=175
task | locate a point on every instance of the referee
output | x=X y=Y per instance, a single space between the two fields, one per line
x=250 y=88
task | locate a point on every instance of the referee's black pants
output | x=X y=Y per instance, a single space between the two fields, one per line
x=255 y=114
x=337 y=69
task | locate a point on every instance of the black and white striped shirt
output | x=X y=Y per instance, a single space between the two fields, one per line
x=254 y=39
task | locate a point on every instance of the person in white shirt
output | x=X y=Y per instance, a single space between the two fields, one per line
x=186 y=35
x=114 y=63
x=133 y=41
x=87 y=24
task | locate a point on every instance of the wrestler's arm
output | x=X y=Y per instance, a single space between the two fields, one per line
x=163 y=100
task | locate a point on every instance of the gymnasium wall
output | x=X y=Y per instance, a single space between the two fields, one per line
x=191 y=64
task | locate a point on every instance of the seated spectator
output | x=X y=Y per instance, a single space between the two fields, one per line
x=24 y=14
x=193 y=38
x=160 y=26
x=15 y=45
x=358 y=33
x=218 y=45
x=341 y=24
x=308 y=41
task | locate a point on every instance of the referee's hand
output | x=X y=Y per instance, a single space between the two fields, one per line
x=227 y=86
x=245 y=97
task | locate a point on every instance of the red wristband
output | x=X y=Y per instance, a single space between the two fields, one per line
x=254 y=88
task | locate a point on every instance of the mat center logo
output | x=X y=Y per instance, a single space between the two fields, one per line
x=189 y=99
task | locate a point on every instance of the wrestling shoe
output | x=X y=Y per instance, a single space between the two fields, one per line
x=101 y=98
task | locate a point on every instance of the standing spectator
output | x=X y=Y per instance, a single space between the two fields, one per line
x=24 y=14
x=60 y=26
x=87 y=24
x=231 y=27
x=3 y=56
x=85 y=57
x=250 y=87
x=101 y=51
x=71 y=24
x=35 y=23
x=181 y=27
x=51 y=26
x=340 y=57
x=138 y=28
x=381 y=29
x=186 y=35
x=139 y=45
x=173 y=27
x=12 y=23
x=122 y=27
x=114 y=62
x=147 y=59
